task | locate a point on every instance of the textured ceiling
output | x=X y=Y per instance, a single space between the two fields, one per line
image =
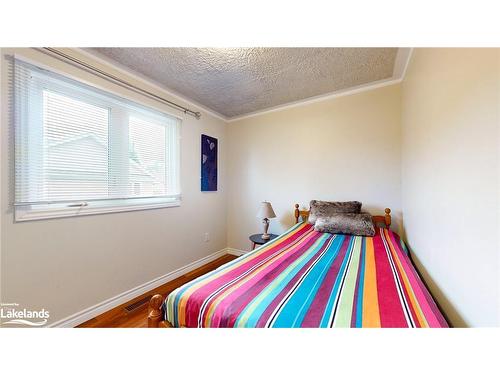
x=237 y=81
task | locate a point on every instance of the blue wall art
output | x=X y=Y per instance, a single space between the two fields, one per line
x=208 y=163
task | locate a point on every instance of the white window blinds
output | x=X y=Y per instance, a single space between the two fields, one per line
x=79 y=146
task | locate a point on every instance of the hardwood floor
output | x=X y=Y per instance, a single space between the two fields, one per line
x=119 y=317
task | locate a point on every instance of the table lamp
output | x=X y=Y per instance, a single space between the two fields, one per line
x=265 y=213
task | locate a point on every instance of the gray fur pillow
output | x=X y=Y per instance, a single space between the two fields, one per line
x=326 y=209
x=356 y=224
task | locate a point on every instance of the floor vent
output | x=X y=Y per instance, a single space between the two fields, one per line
x=137 y=304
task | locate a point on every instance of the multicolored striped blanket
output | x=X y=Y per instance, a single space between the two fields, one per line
x=306 y=278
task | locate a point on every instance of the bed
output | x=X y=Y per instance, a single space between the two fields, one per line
x=306 y=278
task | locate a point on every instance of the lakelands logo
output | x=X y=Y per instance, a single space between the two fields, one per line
x=11 y=314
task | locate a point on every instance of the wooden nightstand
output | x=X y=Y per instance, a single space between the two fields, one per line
x=257 y=239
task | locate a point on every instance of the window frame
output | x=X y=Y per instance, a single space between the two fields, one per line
x=57 y=210
x=39 y=211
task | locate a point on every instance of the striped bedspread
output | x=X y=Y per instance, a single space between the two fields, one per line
x=306 y=278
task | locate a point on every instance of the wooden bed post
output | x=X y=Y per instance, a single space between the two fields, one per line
x=388 y=217
x=297 y=213
x=154 y=316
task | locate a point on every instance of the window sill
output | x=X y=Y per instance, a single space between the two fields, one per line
x=41 y=212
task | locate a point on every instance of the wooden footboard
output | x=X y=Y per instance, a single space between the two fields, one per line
x=155 y=316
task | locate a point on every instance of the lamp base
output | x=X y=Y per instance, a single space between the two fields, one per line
x=265 y=236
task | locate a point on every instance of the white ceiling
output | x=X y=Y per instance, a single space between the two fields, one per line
x=237 y=81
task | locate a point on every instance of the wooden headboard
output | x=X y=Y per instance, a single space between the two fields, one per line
x=377 y=219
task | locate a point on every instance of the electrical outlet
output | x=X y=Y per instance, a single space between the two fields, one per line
x=207 y=237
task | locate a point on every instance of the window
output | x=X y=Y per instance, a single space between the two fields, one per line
x=80 y=150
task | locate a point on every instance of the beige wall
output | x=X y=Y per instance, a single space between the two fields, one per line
x=450 y=170
x=345 y=148
x=67 y=265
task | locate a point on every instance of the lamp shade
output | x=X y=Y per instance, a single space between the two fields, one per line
x=266 y=211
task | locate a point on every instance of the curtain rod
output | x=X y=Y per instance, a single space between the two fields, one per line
x=96 y=71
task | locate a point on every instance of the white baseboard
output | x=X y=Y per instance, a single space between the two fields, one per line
x=92 y=312
x=237 y=252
